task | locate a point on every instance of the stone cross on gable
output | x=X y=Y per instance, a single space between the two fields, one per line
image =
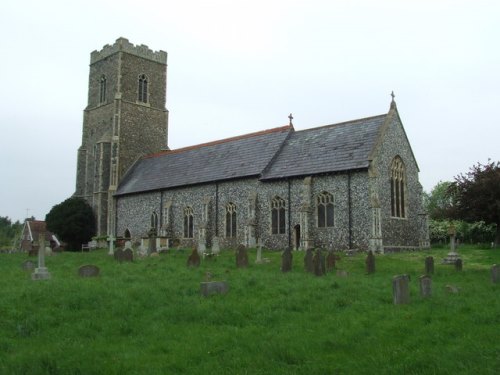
x=291 y=118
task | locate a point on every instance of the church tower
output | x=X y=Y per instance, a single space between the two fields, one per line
x=125 y=118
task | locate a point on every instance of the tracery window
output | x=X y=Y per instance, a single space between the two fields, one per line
x=102 y=89
x=324 y=203
x=278 y=216
x=398 y=183
x=188 y=222
x=143 y=89
x=231 y=220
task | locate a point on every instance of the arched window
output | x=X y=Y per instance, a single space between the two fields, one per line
x=102 y=89
x=398 y=182
x=324 y=203
x=143 y=89
x=188 y=222
x=127 y=234
x=154 y=220
x=278 y=216
x=231 y=220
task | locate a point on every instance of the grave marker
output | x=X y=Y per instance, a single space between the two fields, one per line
x=241 y=257
x=286 y=260
x=41 y=273
x=308 y=261
x=319 y=263
x=400 y=289
x=429 y=265
x=88 y=270
x=370 y=263
x=213 y=287
x=495 y=274
x=425 y=286
x=194 y=258
x=458 y=264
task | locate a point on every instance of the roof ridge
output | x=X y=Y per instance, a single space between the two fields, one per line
x=342 y=123
x=219 y=141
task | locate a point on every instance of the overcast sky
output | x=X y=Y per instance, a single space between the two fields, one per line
x=236 y=67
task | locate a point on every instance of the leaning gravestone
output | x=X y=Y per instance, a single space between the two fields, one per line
x=28 y=265
x=213 y=287
x=495 y=274
x=400 y=289
x=429 y=265
x=370 y=263
x=88 y=270
x=319 y=263
x=241 y=257
x=194 y=258
x=425 y=286
x=286 y=260
x=308 y=261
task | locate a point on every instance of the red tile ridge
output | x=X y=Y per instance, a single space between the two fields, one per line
x=219 y=141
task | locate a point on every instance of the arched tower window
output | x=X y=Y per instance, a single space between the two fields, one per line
x=231 y=220
x=143 y=89
x=278 y=216
x=154 y=221
x=188 y=222
x=102 y=89
x=398 y=183
x=324 y=203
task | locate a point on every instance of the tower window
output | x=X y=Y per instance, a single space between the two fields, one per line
x=102 y=90
x=278 y=215
x=231 y=220
x=398 y=182
x=325 y=210
x=143 y=89
x=188 y=222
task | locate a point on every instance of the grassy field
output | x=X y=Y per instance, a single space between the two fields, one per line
x=147 y=317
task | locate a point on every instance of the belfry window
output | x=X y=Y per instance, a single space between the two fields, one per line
x=143 y=89
x=188 y=222
x=102 y=89
x=325 y=210
x=278 y=216
x=398 y=183
x=231 y=220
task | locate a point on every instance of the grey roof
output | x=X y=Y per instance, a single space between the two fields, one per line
x=270 y=154
x=231 y=158
x=331 y=148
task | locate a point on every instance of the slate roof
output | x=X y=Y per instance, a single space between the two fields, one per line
x=270 y=154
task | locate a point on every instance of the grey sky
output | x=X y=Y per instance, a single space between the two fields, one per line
x=236 y=67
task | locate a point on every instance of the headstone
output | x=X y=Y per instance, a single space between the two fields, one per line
x=400 y=289
x=111 y=241
x=458 y=264
x=41 y=273
x=241 y=257
x=319 y=263
x=331 y=259
x=370 y=263
x=429 y=265
x=152 y=241
x=286 y=260
x=28 y=265
x=495 y=274
x=342 y=273
x=259 y=254
x=215 y=245
x=124 y=255
x=194 y=258
x=213 y=287
x=308 y=261
x=452 y=255
x=425 y=286
x=88 y=270
x=452 y=289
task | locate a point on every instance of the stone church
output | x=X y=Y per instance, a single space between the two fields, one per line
x=350 y=185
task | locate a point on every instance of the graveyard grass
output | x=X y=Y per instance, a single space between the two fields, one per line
x=147 y=317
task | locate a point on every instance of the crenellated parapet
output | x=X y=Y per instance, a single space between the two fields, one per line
x=123 y=45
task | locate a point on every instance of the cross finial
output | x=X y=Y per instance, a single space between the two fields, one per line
x=393 y=96
x=291 y=118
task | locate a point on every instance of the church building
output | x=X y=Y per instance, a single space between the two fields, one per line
x=350 y=185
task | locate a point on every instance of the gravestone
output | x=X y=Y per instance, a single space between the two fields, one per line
x=400 y=289
x=286 y=260
x=425 y=286
x=319 y=263
x=452 y=289
x=213 y=287
x=111 y=245
x=330 y=261
x=458 y=264
x=88 y=270
x=259 y=254
x=370 y=263
x=152 y=241
x=308 y=261
x=241 y=257
x=28 y=265
x=194 y=258
x=429 y=265
x=452 y=255
x=41 y=272
x=342 y=273
x=123 y=255
x=495 y=274
x=215 y=245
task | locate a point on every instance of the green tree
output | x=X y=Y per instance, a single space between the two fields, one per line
x=477 y=195
x=439 y=202
x=8 y=231
x=73 y=221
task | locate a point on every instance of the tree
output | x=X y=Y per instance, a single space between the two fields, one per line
x=439 y=203
x=477 y=195
x=73 y=221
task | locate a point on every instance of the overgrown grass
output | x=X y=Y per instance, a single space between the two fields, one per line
x=147 y=317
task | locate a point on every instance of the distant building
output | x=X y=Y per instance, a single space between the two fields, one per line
x=30 y=236
x=342 y=186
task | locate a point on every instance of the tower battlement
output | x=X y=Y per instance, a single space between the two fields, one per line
x=123 y=45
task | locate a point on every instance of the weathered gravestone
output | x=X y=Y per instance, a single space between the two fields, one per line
x=213 y=287
x=370 y=263
x=495 y=274
x=319 y=263
x=28 y=265
x=425 y=286
x=194 y=258
x=452 y=289
x=458 y=264
x=152 y=241
x=241 y=257
x=308 y=261
x=124 y=255
x=286 y=260
x=401 y=289
x=429 y=265
x=88 y=270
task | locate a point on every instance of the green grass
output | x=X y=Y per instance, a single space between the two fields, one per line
x=147 y=317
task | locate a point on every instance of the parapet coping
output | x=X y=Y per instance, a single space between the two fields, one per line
x=123 y=45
